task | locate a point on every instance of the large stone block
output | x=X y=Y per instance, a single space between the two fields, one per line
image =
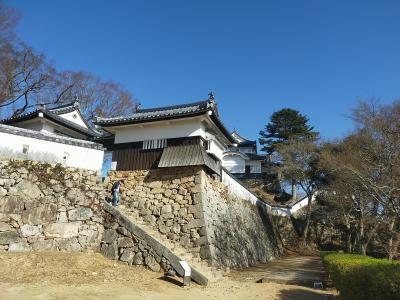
x=123 y=231
x=201 y=241
x=185 y=241
x=12 y=204
x=69 y=244
x=205 y=252
x=109 y=236
x=125 y=242
x=19 y=247
x=74 y=195
x=26 y=190
x=155 y=184
x=152 y=264
x=166 y=209
x=182 y=191
x=109 y=250
x=127 y=256
x=157 y=191
x=45 y=245
x=151 y=219
x=40 y=215
x=5 y=227
x=80 y=214
x=138 y=259
x=8 y=237
x=62 y=230
x=58 y=188
x=194 y=208
x=195 y=223
x=163 y=228
x=197 y=198
x=62 y=217
x=3 y=192
x=30 y=230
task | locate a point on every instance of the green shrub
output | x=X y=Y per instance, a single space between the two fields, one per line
x=359 y=277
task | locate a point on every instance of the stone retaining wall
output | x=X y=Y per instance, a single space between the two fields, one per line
x=123 y=240
x=49 y=207
x=167 y=199
x=239 y=232
x=200 y=213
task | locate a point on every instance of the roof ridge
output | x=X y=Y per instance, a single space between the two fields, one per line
x=74 y=103
x=241 y=136
x=173 y=106
x=54 y=116
x=49 y=137
x=13 y=117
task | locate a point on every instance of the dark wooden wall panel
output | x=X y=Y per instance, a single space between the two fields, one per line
x=131 y=156
x=136 y=159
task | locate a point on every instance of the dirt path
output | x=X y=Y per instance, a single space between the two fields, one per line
x=45 y=276
x=301 y=270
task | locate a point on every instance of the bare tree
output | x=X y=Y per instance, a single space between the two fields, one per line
x=24 y=76
x=300 y=165
x=8 y=20
x=27 y=79
x=96 y=96
x=365 y=169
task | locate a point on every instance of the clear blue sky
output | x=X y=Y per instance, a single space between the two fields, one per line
x=319 y=57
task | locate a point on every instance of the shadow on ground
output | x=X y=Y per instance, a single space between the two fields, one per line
x=298 y=270
x=303 y=294
x=170 y=280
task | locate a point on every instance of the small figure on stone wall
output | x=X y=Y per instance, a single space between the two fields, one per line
x=115 y=192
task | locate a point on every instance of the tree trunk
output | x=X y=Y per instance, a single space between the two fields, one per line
x=360 y=239
x=393 y=239
x=396 y=243
x=349 y=246
x=308 y=219
x=390 y=242
x=294 y=190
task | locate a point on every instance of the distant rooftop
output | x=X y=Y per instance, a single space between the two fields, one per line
x=53 y=115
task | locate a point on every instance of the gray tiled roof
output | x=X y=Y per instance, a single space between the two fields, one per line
x=159 y=113
x=49 y=137
x=65 y=108
x=187 y=155
x=53 y=117
x=166 y=113
x=246 y=142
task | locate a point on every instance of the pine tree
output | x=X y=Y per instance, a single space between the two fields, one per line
x=284 y=125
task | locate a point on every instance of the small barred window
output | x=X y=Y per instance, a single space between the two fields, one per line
x=25 y=149
x=154 y=144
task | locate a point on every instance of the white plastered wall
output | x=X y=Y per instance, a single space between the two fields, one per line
x=234 y=163
x=46 y=126
x=216 y=148
x=159 y=130
x=51 y=152
x=74 y=117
